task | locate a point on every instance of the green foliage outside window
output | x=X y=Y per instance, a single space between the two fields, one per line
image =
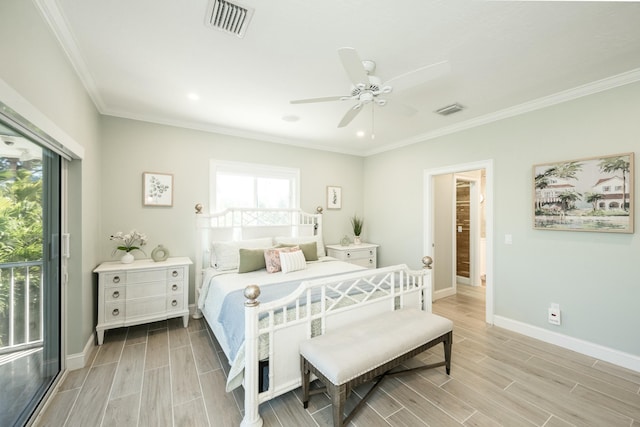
x=20 y=241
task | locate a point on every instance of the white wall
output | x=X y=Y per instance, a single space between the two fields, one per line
x=131 y=147
x=35 y=67
x=593 y=276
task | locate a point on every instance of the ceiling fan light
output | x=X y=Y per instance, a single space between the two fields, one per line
x=450 y=109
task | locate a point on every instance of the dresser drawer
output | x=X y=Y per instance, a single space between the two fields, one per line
x=174 y=302
x=116 y=293
x=146 y=306
x=114 y=312
x=365 y=262
x=175 y=274
x=115 y=278
x=175 y=288
x=359 y=253
x=141 y=290
x=146 y=276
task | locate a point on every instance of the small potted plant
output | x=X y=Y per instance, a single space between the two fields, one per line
x=132 y=241
x=357 y=223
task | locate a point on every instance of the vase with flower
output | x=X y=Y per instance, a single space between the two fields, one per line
x=129 y=242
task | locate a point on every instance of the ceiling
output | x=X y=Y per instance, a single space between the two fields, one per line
x=142 y=59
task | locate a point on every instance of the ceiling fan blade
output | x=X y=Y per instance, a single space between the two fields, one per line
x=419 y=76
x=351 y=114
x=353 y=65
x=310 y=100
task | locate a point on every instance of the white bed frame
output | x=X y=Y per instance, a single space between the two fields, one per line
x=383 y=289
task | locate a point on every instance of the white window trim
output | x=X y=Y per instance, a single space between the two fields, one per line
x=252 y=169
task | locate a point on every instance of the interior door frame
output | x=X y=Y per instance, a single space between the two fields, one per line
x=474 y=227
x=429 y=222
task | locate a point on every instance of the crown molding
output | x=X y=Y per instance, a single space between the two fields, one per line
x=51 y=13
x=612 y=82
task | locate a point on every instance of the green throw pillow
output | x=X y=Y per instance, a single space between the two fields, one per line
x=310 y=250
x=251 y=260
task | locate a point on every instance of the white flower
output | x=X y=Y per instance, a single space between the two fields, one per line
x=130 y=242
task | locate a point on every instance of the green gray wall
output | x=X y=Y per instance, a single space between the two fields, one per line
x=593 y=276
x=130 y=148
x=34 y=65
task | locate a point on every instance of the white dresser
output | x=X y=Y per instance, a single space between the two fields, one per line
x=141 y=292
x=364 y=254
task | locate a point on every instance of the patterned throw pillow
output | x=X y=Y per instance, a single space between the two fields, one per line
x=272 y=258
x=292 y=261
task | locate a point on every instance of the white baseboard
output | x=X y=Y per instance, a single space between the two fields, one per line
x=463 y=280
x=606 y=354
x=442 y=293
x=79 y=360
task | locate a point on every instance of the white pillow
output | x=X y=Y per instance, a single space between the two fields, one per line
x=226 y=255
x=304 y=239
x=292 y=261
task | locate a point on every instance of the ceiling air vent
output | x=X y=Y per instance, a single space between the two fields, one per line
x=229 y=17
x=450 y=109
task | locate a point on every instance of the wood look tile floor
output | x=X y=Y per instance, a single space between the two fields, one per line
x=165 y=375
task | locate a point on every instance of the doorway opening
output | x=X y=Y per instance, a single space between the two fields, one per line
x=458 y=227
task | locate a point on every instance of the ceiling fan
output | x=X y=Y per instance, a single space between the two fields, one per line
x=368 y=89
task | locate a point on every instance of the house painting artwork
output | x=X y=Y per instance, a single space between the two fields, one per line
x=592 y=194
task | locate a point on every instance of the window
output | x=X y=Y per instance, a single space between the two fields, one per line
x=250 y=185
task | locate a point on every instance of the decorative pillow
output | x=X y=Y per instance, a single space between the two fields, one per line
x=310 y=250
x=304 y=239
x=226 y=256
x=292 y=261
x=251 y=260
x=272 y=257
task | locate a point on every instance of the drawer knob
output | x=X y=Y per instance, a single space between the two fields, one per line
x=115 y=312
x=116 y=279
x=348 y=254
x=174 y=287
x=116 y=294
x=370 y=252
x=174 y=303
x=174 y=273
x=370 y=261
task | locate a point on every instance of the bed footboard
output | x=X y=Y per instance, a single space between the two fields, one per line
x=316 y=307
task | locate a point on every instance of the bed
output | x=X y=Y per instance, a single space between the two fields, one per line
x=259 y=315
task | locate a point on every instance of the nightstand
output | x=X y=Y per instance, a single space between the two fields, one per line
x=142 y=292
x=364 y=254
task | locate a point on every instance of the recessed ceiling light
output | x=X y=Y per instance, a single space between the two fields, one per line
x=360 y=133
x=193 y=96
x=290 y=118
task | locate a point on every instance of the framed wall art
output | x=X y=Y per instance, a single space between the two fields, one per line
x=157 y=189
x=593 y=194
x=334 y=197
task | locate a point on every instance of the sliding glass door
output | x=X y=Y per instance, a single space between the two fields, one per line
x=30 y=285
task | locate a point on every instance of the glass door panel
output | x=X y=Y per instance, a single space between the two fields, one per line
x=30 y=289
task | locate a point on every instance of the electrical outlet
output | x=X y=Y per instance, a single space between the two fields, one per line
x=554 y=314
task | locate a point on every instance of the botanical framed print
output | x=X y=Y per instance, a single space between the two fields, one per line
x=157 y=189
x=334 y=197
x=593 y=194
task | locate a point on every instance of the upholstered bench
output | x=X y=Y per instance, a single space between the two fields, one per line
x=358 y=353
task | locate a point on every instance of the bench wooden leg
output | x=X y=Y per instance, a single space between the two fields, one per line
x=447 y=351
x=306 y=375
x=338 y=395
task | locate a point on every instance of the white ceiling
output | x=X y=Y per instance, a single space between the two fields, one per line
x=141 y=58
